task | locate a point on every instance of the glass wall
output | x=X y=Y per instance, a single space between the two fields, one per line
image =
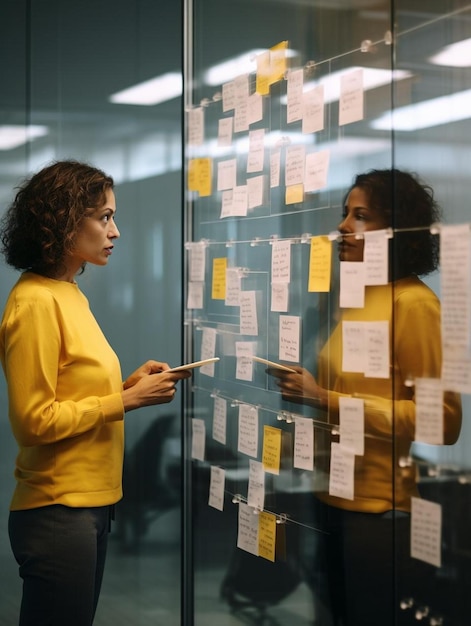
x=60 y=64
x=338 y=491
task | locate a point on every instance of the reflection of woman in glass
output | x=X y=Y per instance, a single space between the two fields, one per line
x=366 y=534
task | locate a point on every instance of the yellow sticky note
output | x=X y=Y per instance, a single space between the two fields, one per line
x=267 y=535
x=218 y=291
x=320 y=261
x=262 y=81
x=192 y=175
x=278 y=62
x=294 y=193
x=204 y=176
x=271 y=453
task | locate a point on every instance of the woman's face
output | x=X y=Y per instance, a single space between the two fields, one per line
x=358 y=217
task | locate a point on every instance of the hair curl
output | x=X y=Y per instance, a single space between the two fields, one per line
x=38 y=229
x=410 y=209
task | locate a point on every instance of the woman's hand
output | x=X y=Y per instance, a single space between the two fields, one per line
x=299 y=386
x=151 y=384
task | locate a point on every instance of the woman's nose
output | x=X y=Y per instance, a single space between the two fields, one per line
x=344 y=225
x=114 y=234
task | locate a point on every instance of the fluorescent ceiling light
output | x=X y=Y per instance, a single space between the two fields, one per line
x=245 y=63
x=434 y=112
x=12 y=136
x=455 y=55
x=152 y=91
x=372 y=78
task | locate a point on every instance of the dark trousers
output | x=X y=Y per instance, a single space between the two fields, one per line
x=61 y=554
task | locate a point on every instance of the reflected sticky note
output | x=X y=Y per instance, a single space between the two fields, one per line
x=426 y=531
x=294 y=194
x=267 y=535
x=199 y=176
x=271 y=451
x=320 y=262
x=218 y=291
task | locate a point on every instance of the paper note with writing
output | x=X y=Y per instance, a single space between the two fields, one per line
x=216 y=487
x=353 y=346
x=352 y=285
x=313 y=110
x=294 y=194
x=254 y=108
x=262 y=78
x=196 y=261
x=247 y=532
x=240 y=200
x=275 y=168
x=225 y=128
x=289 y=338
x=281 y=261
x=278 y=61
x=195 y=299
x=455 y=256
x=303 y=443
x=316 y=170
x=375 y=257
x=244 y=366
x=294 y=165
x=456 y=370
x=208 y=350
x=218 y=291
x=342 y=467
x=255 y=191
x=279 y=297
x=227 y=174
x=228 y=96
x=320 y=262
x=233 y=281
x=199 y=176
x=256 y=154
x=220 y=419
x=256 y=485
x=352 y=424
x=198 y=436
x=248 y=430
x=429 y=411
x=271 y=449
x=226 y=203
x=351 y=97
x=426 y=531
x=241 y=109
x=267 y=535
x=294 y=95
x=377 y=349
x=196 y=126
x=248 y=313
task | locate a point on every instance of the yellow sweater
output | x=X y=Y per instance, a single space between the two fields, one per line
x=413 y=313
x=64 y=391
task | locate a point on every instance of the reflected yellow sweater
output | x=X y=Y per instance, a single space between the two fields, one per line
x=413 y=313
x=64 y=391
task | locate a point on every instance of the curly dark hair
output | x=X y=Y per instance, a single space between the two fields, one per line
x=39 y=227
x=410 y=209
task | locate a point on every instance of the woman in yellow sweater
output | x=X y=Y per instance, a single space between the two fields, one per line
x=66 y=396
x=368 y=530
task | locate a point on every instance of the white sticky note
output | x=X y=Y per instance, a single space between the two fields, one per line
x=352 y=424
x=377 y=349
x=281 y=261
x=275 y=167
x=195 y=299
x=354 y=348
x=303 y=443
x=248 y=313
x=295 y=165
x=426 y=531
x=429 y=410
x=208 y=350
x=220 y=419
x=225 y=128
x=227 y=204
x=352 y=285
x=255 y=191
x=256 y=154
x=279 y=297
x=376 y=256
x=247 y=533
x=256 y=486
x=456 y=370
x=316 y=170
x=241 y=108
x=248 y=430
x=294 y=95
x=196 y=126
x=239 y=201
x=289 y=338
x=228 y=96
x=197 y=261
x=227 y=174
x=216 y=487
x=244 y=365
x=254 y=108
x=233 y=285
x=313 y=110
x=351 y=97
x=342 y=467
x=198 y=435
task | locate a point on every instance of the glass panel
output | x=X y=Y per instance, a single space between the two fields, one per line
x=61 y=62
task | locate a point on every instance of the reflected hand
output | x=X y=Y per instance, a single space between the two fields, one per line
x=298 y=386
